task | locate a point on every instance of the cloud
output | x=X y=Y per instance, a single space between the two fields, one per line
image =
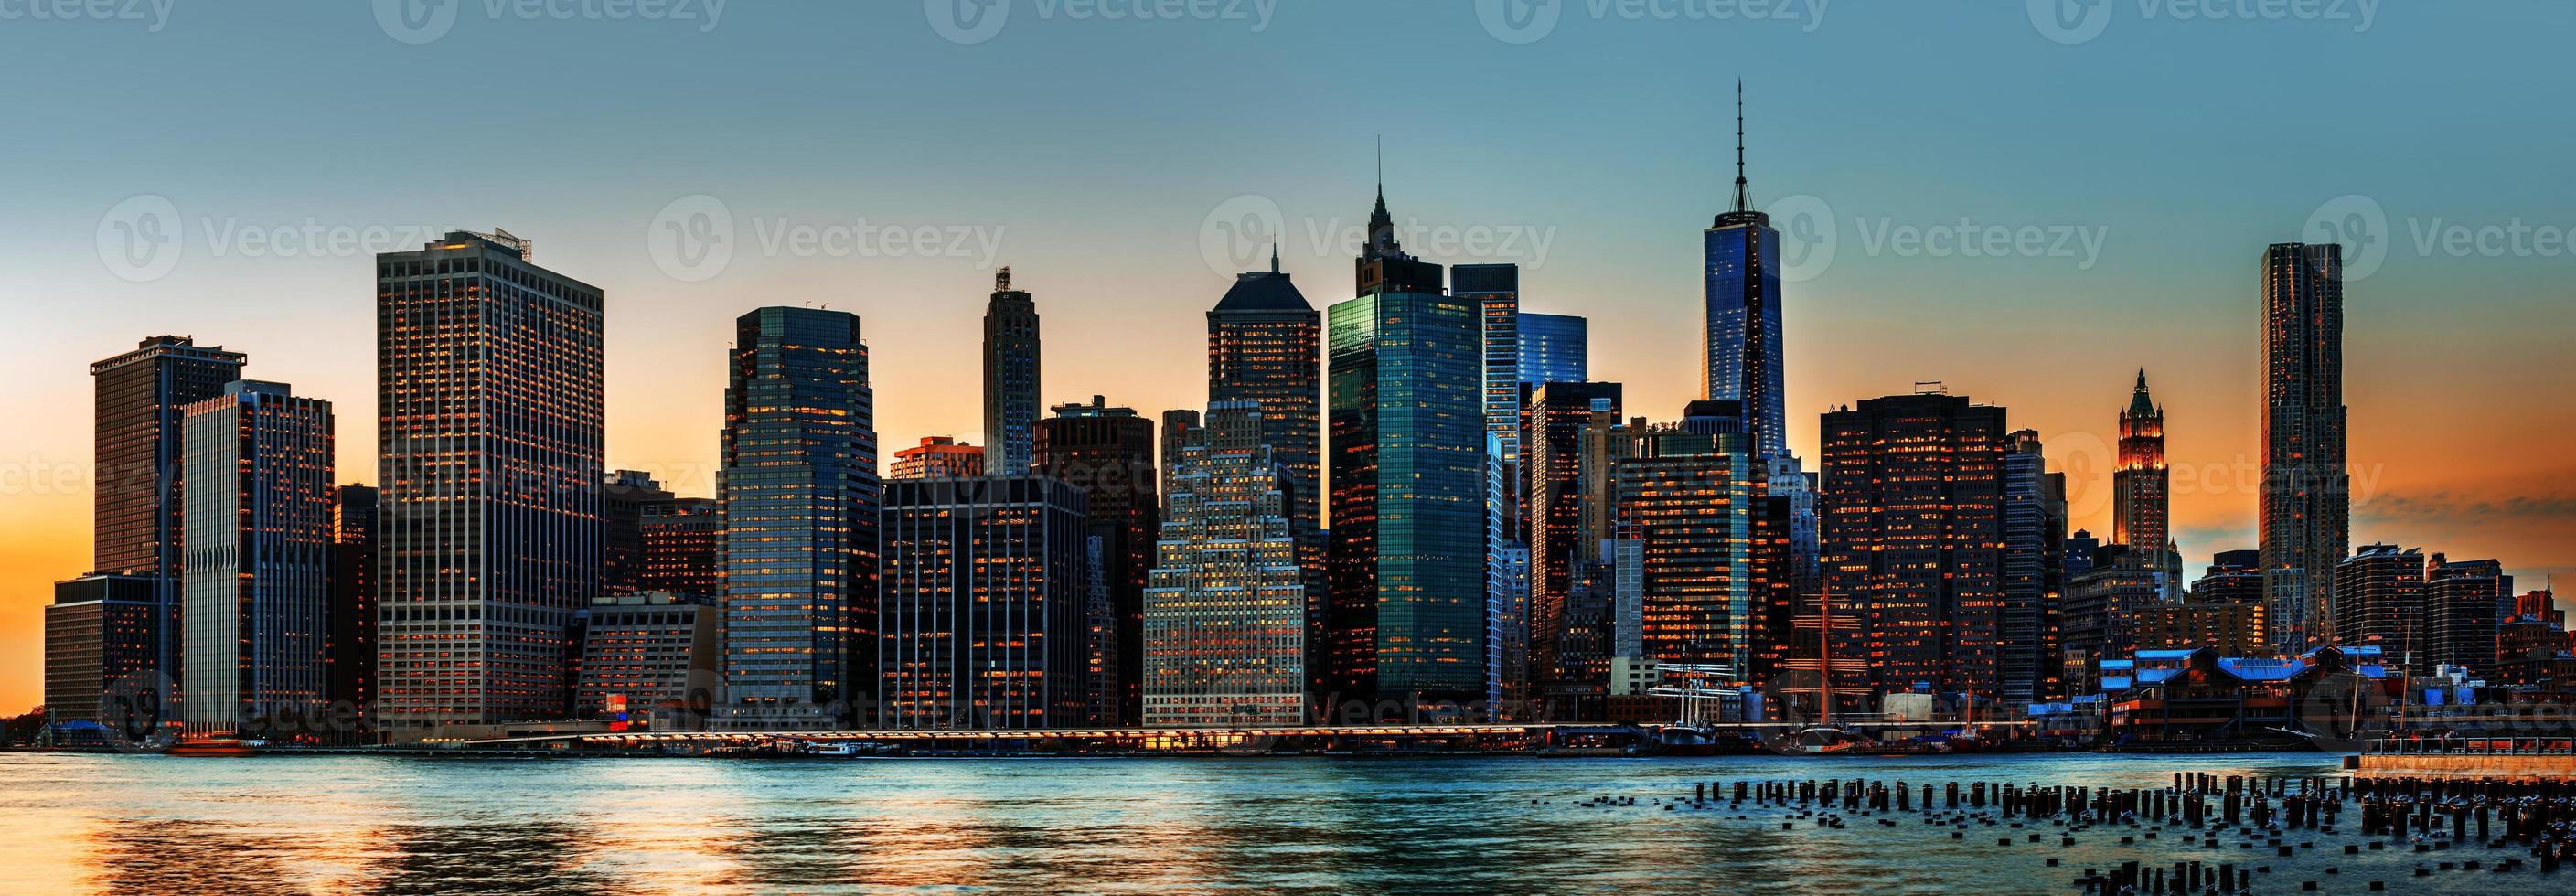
x=2451 y=508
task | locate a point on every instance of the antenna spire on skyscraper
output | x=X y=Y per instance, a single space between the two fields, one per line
x=1743 y=196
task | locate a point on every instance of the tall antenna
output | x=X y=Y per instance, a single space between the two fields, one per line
x=1743 y=197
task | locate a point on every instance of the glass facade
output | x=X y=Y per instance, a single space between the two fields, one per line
x=138 y=523
x=1406 y=622
x=987 y=587
x=1743 y=315
x=489 y=438
x=1553 y=348
x=1913 y=535
x=801 y=495
x=2306 y=505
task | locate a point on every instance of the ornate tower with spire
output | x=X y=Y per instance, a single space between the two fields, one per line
x=1382 y=265
x=2141 y=488
x=1010 y=377
x=1742 y=361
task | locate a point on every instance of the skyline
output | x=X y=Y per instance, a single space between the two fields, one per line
x=1119 y=267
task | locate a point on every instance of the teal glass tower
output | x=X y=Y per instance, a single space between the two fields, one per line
x=1405 y=630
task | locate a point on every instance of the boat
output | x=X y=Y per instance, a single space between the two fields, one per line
x=214 y=746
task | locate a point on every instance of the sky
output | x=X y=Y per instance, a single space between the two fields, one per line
x=2024 y=202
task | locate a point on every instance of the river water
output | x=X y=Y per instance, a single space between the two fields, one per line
x=153 y=824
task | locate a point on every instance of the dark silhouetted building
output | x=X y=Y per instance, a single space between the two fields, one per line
x=2465 y=601
x=627 y=495
x=1265 y=346
x=350 y=652
x=1553 y=420
x=2034 y=576
x=1108 y=453
x=2378 y=602
x=1011 y=378
x=684 y=547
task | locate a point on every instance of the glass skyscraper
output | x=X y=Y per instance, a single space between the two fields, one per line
x=1553 y=349
x=2306 y=490
x=256 y=575
x=489 y=429
x=1913 y=542
x=1265 y=346
x=1406 y=624
x=1742 y=365
x=986 y=586
x=140 y=481
x=801 y=495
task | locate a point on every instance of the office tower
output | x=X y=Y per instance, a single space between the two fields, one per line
x=1225 y=614
x=1108 y=453
x=489 y=431
x=1011 y=378
x=2378 y=602
x=2306 y=492
x=255 y=578
x=1690 y=502
x=2464 y=603
x=1742 y=362
x=1912 y=535
x=626 y=494
x=103 y=654
x=1406 y=621
x=1265 y=346
x=1553 y=348
x=647 y=654
x=683 y=547
x=801 y=500
x=984 y=598
x=937 y=457
x=2539 y=605
x=2034 y=531
x=1495 y=290
x=1606 y=440
x=140 y=487
x=2101 y=610
x=2141 y=515
x=1175 y=435
x=2234 y=577
x=350 y=651
x=2078 y=555
x=2231 y=629
x=1586 y=647
x=1553 y=419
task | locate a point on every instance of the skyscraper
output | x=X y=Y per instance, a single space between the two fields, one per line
x=350 y=651
x=1496 y=291
x=489 y=429
x=1168 y=445
x=1742 y=362
x=256 y=575
x=2034 y=581
x=2464 y=602
x=1108 y=453
x=985 y=586
x=1011 y=379
x=1265 y=346
x=2306 y=493
x=1554 y=498
x=1225 y=613
x=684 y=548
x=2379 y=602
x=1553 y=348
x=103 y=654
x=626 y=495
x=2141 y=489
x=1407 y=615
x=1913 y=536
x=140 y=483
x=801 y=496
x=1691 y=502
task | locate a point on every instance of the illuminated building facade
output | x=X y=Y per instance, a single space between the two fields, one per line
x=801 y=497
x=1265 y=346
x=2306 y=501
x=1011 y=377
x=2231 y=629
x=625 y=496
x=683 y=547
x=1694 y=505
x=1108 y=453
x=1406 y=619
x=2141 y=489
x=648 y=650
x=2033 y=576
x=255 y=578
x=1225 y=612
x=1743 y=345
x=1913 y=541
x=1552 y=423
x=986 y=582
x=103 y=654
x=2379 y=602
x=138 y=530
x=489 y=390
x=2464 y=603
x=937 y=457
x=2102 y=607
